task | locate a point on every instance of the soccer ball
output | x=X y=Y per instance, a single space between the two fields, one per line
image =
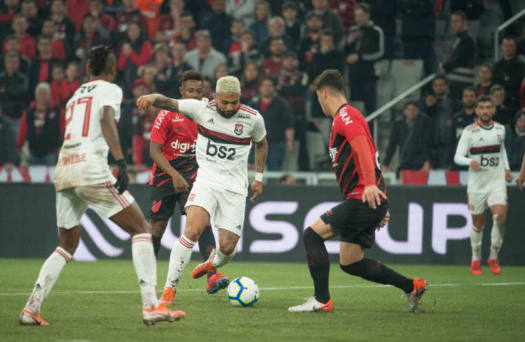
x=243 y=291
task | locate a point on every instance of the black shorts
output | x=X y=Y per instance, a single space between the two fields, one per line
x=355 y=221
x=163 y=201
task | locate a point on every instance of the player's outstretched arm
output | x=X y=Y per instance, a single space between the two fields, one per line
x=155 y=151
x=261 y=153
x=159 y=101
x=109 y=130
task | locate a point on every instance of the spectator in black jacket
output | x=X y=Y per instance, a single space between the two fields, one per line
x=332 y=21
x=8 y=156
x=365 y=46
x=293 y=25
x=218 y=23
x=440 y=108
x=459 y=65
x=413 y=136
x=515 y=140
x=14 y=87
x=43 y=127
x=509 y=71
x=485 y=80
x=384 y=13
x=167 y=81
x=504 y=114
x=279 y=123
x=417 y=31
x=327 y=58
x=461 y=119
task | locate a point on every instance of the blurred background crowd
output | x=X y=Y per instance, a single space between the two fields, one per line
x=276 y=48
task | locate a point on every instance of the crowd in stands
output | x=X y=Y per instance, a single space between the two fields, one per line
x=276 y=48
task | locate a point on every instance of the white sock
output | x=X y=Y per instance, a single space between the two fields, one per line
x=475 y=242
x=46 y=279
x=221 y=259
x=179 y=258
x=496 y=240
x=146 y=268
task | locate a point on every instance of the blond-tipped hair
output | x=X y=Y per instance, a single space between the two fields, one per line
x=228 y=85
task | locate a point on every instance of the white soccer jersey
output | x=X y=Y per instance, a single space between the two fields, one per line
x=84 y=153
x=486 y=145
x=223 y=144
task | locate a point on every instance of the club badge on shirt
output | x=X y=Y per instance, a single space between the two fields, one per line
x=238 y=128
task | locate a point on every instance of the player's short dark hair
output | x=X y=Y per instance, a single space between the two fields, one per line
x=332 y=79
x=440 y=77
x=192 y=75
x=469 y=88
x=483 y=98
x=98 y=59
x=363 y=7
x=460 y=14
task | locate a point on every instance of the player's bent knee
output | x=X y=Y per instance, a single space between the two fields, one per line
x=356 y=268
x=500 y=218
x=228 y=248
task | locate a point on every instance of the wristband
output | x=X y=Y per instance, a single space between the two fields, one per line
x=258 y=176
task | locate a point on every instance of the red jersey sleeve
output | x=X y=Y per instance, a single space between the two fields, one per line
x=161 y=127
x=349 y=125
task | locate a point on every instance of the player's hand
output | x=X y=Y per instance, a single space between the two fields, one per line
x=122 y=177
x=508 y=176
x=257 y=188
x=180 y=184
x=146 y=101
x=519 y=181
x=475 y=165
x=373 y=196
x=384 y=221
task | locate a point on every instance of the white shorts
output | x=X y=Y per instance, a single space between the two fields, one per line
x=225 y=207
x=72 y=203
x=478 y=202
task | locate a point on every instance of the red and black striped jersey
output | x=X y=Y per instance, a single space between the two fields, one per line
x=177 y=135
x=348 y=124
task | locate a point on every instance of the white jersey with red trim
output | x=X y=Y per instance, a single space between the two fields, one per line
x=486 y=145
x=223 y=144
x=83 y=158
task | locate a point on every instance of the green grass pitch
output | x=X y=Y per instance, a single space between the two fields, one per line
x=100 y=302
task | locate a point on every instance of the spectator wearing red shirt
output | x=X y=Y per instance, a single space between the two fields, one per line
x=61 y=89
x=249 y=82
x=233 y=43
x=142 y=127
x=72 y=80
x=76 y=10
x=26 y=42
x=272 y=65
x=11 y=44
x=41 y=67
x=65 y=27
x=170 y=24
x=187 y=33
x=43 y=127
x=90 y=35
x=130 y=14
x=58 y=47
x=7 y=13
x=134 y=53
x=150 y=9
x=106 y=21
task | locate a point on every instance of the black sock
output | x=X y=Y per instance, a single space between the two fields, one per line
x=156 y=244
x=206 y=245
x=318 y=263
x=375 y=271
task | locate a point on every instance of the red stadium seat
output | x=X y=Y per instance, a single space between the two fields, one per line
x=411 y=177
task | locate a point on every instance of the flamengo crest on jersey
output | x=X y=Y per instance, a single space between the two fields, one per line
x=484 y=145
x=223 y=144
x=83 y=158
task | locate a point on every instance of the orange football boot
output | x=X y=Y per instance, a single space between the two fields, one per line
x=494 y=265
x=161 y=314
x=216 y=282
x=475 y=267
x=29 y=318
x=167 y=296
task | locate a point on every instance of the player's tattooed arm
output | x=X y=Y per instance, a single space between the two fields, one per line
x=159 y=101
x=261 y=154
